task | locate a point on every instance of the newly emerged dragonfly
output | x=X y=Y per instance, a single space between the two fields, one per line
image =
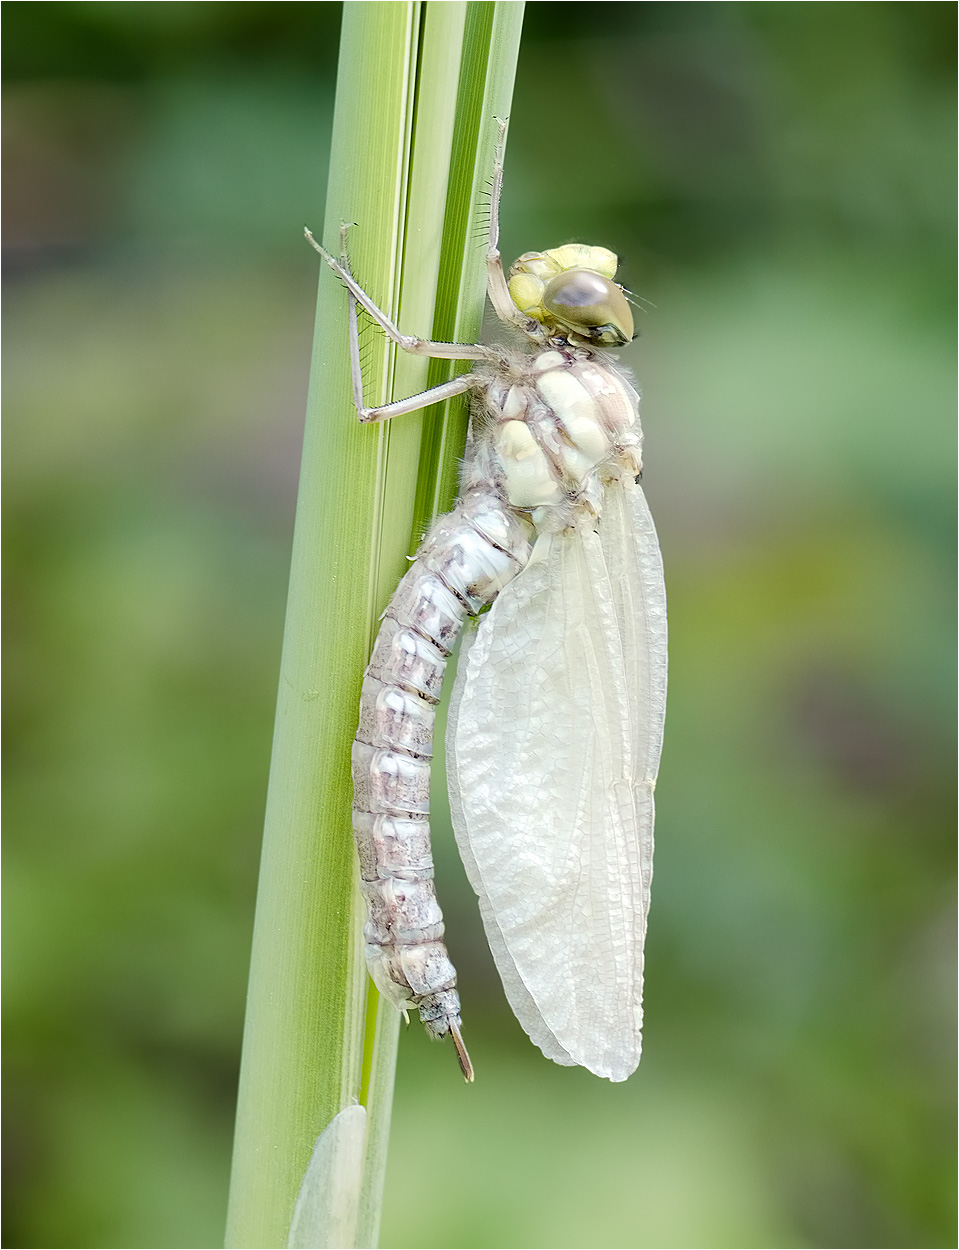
x=557 y=714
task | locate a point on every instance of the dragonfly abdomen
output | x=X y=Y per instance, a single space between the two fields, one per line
x=466 y=559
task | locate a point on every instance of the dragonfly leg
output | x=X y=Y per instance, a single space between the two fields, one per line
x=497 y=287
x=409 y=342
x=356 y=369
x=435 y=395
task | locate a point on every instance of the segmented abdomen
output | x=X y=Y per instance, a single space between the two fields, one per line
x=465 y=560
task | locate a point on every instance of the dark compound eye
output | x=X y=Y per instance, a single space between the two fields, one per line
x=590 y=305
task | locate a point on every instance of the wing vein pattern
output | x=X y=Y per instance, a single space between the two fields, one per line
x=554 y=743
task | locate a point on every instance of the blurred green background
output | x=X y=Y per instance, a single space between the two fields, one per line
x=778 y=181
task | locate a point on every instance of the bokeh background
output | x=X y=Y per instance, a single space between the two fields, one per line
x=778 y=180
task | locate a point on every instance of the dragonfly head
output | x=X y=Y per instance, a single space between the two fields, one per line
x=571 y=289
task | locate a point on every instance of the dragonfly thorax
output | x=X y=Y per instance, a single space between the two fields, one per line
x=559 y=429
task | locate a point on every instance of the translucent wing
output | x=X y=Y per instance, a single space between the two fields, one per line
x=554 y=743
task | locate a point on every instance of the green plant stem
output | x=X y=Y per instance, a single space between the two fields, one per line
x=419 y=87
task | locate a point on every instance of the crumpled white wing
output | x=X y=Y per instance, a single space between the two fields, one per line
x=554 y=740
